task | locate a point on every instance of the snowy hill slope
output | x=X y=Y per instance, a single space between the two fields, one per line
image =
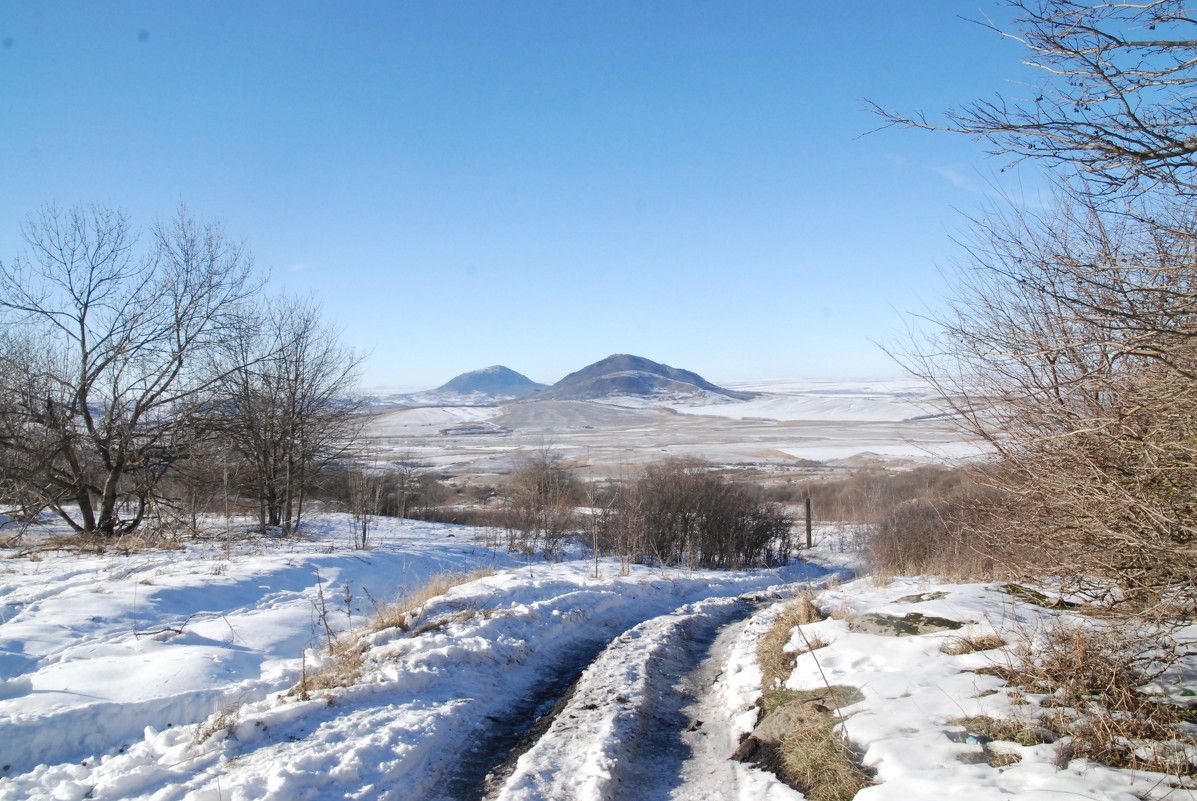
x=164 y=675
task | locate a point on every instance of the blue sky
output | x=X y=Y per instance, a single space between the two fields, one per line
x=537 y=184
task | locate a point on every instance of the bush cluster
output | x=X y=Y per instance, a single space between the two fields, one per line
x=679 y=513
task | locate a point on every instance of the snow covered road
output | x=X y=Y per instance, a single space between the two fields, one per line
x=650 y=719
x=198 y=709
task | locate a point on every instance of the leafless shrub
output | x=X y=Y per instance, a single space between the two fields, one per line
x=937 y=535
x=1067 y=342
x=866 y=496
x=542 y=497
x=679 y=513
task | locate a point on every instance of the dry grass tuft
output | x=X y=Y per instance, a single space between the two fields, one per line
x=1078 y=663
x=814 y=755
x=971 y=644
x=348 y=651
x=998 y=758
x=805 y=610
x=349 y=654
x=1013 y=731
x=842 y=612
x=404 y=614
x=777 y=663
x=148 y=539
x=223 y=721
x=818 y=761
x=812 y=643
x=1085 y=680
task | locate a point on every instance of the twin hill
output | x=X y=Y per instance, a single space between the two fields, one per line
x=619 y=375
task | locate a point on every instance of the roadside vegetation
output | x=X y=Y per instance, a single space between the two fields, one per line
x=1066 y=343
x=345 y=653
x=800 y=737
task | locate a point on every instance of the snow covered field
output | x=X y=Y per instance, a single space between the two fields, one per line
x=791 y=423
x=166 y=675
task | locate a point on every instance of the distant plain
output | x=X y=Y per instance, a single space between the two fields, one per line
x=790 y=428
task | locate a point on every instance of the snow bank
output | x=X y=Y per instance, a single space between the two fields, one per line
x=915 y=695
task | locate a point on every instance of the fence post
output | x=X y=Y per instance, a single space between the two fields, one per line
x=809 y=543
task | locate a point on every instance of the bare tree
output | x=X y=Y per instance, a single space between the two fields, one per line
x=1069 y=342
x=286 y=405
x=407 y=480
x=365 y=501
x=542 y=497
x=1116 y=102
x=1070 y=345
x=101 y=352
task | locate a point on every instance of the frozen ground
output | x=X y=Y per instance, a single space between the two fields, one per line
x=165 y=675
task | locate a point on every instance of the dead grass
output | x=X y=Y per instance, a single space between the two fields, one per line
x=999 y=758
x=814 y=755
x=837 y=696
x=1023 y=732
x=1080 y=661
x=777 y=663
x=405 y=613
x=842 y=612
x=971 y=644
x=812 y=643
x=147 y=539
x=818 y=761
x=1084 y=679
x=223 y=721
x=348 y=651
x=348 y=654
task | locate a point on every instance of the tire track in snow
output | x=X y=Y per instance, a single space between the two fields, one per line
x=629 y=728
x=518 y=729
x=670 y=729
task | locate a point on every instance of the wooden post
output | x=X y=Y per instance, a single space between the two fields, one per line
x=809 y=543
